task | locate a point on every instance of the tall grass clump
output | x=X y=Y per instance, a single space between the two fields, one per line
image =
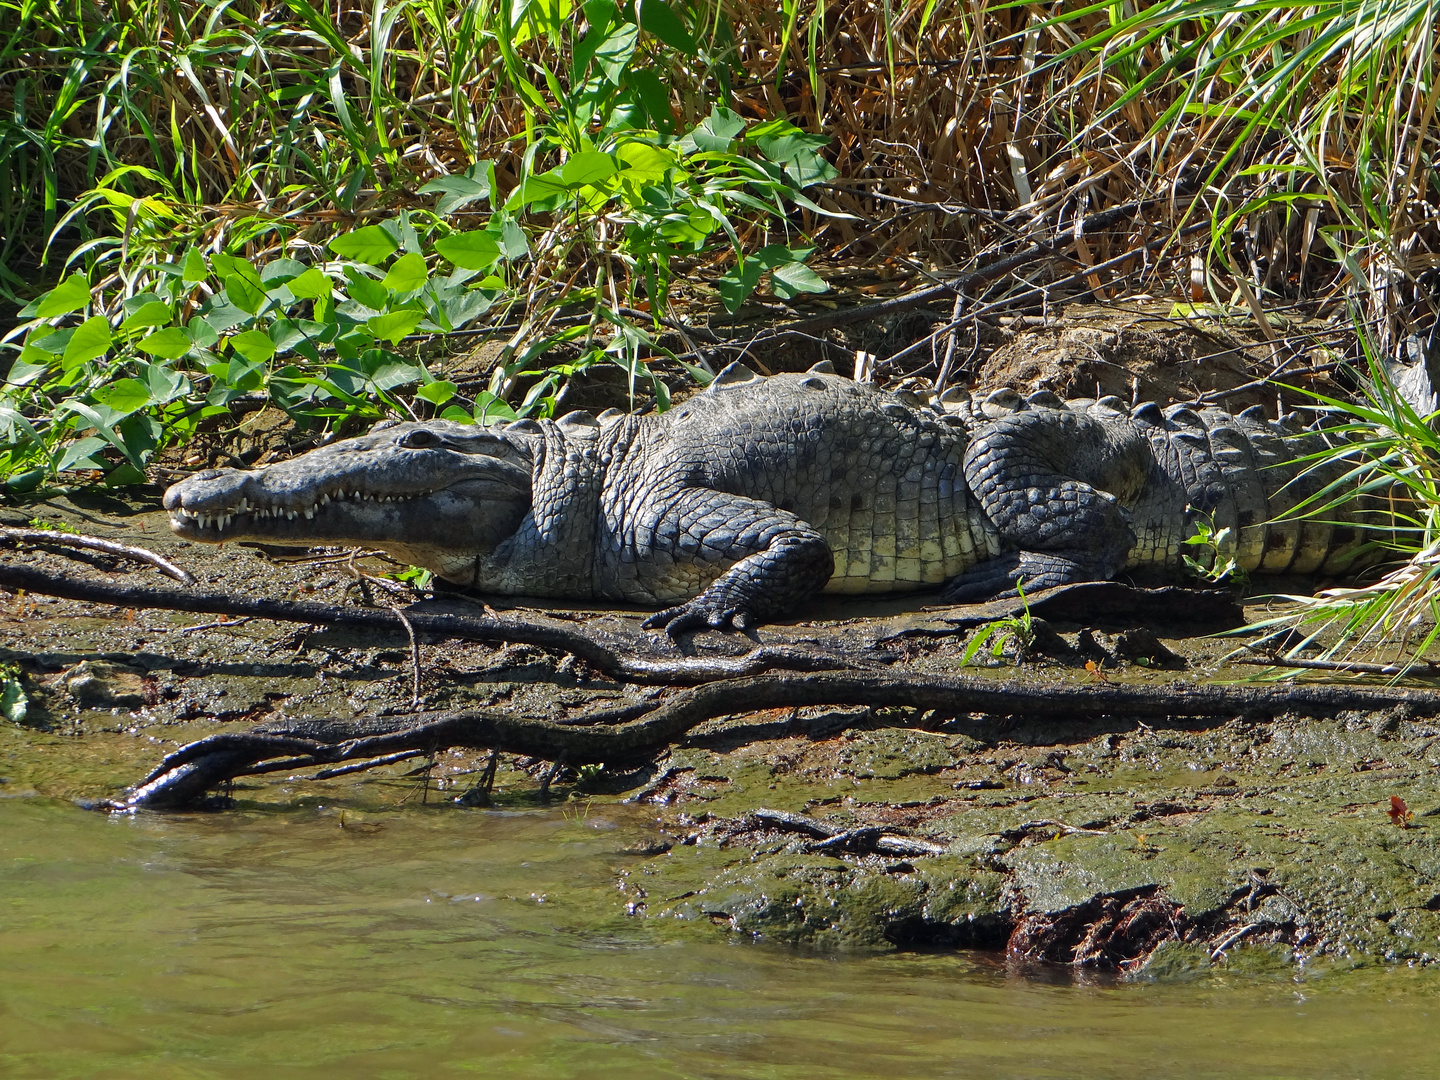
x=1302 y=122
x=1384 y=453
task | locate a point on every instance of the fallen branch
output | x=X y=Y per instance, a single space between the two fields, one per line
x=95 y=543
x=189 y=772
x=492 y=629
x=1352 y=667
x=361 y=766
x=864 y=840
x=219 y=624
x=991 y=272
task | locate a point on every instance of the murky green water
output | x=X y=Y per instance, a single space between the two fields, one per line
x=459 y=943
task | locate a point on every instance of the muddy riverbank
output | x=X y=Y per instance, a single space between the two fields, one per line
x=1155 y=848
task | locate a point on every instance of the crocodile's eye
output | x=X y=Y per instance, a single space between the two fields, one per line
x=419 y=439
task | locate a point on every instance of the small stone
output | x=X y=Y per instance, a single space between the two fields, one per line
x=96 y=684
x=1141 y=646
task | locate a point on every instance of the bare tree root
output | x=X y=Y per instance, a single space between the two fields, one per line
x=493 y=629
x=617 y=737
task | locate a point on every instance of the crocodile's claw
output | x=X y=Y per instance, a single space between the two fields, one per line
x=697 y=615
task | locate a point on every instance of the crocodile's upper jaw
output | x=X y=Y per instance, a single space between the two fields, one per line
x=438 y=495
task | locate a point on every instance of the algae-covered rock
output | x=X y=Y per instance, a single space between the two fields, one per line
x=890 y=755
x=1126 y=846
x=790 y=897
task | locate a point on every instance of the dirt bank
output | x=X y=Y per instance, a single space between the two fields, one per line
x=1111 y=844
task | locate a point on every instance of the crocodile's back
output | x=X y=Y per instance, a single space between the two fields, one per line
x=880 y=476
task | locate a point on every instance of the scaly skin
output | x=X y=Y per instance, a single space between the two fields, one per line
x=737 y=505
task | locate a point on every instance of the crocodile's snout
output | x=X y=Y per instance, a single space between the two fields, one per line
x=175 y=496
x=436 y=495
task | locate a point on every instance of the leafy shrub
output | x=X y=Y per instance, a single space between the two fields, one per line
x=105 y=380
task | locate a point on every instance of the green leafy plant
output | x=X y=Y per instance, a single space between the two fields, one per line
x=417 y=577
x=1016 y=633
x=1214 y=561
x=105 y=378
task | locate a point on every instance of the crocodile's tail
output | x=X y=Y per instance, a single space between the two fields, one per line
x=1292 y=505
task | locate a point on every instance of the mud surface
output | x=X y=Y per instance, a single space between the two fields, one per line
x=1112 y=845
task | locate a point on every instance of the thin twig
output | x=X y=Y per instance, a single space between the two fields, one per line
x=215 y=625
x=1267 y=383
x=361 y=766
x=1357 y=667
x=360 y=575
x=95 y=543
x=1231 y=938
x=990 y=272
x=952 y=343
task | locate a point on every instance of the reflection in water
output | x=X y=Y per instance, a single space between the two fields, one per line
x=456 y=943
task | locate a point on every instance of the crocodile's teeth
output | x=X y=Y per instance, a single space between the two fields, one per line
x=204 y=521
x=325 y=499
x=225 y=522
x=290 y=515
x=309 y=513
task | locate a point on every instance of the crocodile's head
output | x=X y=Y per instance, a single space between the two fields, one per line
x=434 y=494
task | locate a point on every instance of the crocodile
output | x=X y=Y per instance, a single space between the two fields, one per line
x=736 y=505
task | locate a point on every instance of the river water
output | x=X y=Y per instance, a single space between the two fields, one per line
x=437 y=942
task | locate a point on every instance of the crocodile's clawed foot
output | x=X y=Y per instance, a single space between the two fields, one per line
x=695 y=615
x=1006 y=575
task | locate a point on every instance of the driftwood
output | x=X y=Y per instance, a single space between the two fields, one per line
x=622 y=736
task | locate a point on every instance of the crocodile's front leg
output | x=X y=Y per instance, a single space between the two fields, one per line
x=1052 y=483
x=760 y=562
